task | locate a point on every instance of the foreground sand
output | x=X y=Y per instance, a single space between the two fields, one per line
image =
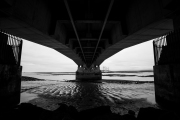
x=48 y=95
x=43 y=95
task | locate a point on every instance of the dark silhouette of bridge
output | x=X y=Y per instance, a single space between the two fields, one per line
x=89 y=31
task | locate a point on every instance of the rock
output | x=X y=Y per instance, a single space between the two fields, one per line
x=94 y=112
x=111 y=116
x=129 y=116
x=62 y=108
x=130 y=112
x=72 y=111
x=150 y=113
x=67 y=118
x=65 y=112
x=31 y=112
x=169 y=116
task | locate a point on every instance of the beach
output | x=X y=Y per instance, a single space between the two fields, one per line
x=121 y=96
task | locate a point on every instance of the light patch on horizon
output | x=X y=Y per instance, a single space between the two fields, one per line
x=138 y=57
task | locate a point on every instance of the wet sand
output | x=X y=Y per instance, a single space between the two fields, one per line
x=86 y=95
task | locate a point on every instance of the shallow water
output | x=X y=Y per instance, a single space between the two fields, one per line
x=85 y=95
x=71 y=76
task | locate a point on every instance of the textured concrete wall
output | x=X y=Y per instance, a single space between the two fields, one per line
x=10 y=85
x=176 y=22
x=141 y=13
x=60 y=33
x=33 y=12
x=167 y=85
x=85 y=74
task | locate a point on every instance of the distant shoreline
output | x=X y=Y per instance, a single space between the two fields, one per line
x=25 y=78
x=137 y=71
x=131 y=71
x=124 y=75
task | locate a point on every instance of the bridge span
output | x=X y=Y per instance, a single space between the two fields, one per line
x=89 y=31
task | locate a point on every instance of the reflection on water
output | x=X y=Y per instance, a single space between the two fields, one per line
x=85 y=95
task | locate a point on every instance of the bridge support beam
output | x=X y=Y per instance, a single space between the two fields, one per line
x=167 y=85
x=88 y=74
x=166 y=71
x=10 y=85
x=10 y=70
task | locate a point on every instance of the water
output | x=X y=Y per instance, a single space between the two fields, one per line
x=84 y=95
x=130 y=76
x=71 y=76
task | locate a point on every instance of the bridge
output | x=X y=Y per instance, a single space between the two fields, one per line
x=88 y=31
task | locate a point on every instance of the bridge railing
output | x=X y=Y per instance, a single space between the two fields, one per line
x=166 y=48
x=10 y=48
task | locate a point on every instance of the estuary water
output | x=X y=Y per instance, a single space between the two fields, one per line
x=121 y=96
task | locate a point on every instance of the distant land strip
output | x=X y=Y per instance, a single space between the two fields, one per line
x=25 y=78
x=131 y=71
x=124 y=75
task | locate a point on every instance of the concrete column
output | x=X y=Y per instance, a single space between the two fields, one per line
x=10 y=85
x=167 y=85
x=10 y=70
x=88 y=74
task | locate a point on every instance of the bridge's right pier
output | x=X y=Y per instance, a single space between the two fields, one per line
x=167 y=70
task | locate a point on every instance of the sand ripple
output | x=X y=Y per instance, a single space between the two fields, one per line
x=121 y=97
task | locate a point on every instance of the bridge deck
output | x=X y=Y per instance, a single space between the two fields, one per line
x=87 y=31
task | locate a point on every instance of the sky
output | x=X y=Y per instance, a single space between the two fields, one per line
x=38 y=58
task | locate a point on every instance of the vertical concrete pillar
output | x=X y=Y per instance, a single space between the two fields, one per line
x=10 y=85
x=167 y=85
x=167 y=70
x=10 y=70
x=88 y=74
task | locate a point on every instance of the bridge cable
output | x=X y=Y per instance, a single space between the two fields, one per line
x=74 y=27
x=104 y=24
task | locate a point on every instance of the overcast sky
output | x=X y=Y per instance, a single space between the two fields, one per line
x=38 y=58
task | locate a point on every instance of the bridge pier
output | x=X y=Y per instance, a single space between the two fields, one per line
x=10 y=70
x=166 y=71
x=88 y=74
x=10 y=85
x=167 y=85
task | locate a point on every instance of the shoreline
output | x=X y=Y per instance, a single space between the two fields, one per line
x=27 y=78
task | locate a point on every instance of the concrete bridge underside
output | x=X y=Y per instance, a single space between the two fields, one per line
x=90 y=31
x=87 y=31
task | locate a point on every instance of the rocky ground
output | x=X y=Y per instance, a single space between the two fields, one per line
x=27 y=111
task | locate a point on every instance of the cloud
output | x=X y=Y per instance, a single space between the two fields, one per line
x=137 y=57
x=36 y=57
